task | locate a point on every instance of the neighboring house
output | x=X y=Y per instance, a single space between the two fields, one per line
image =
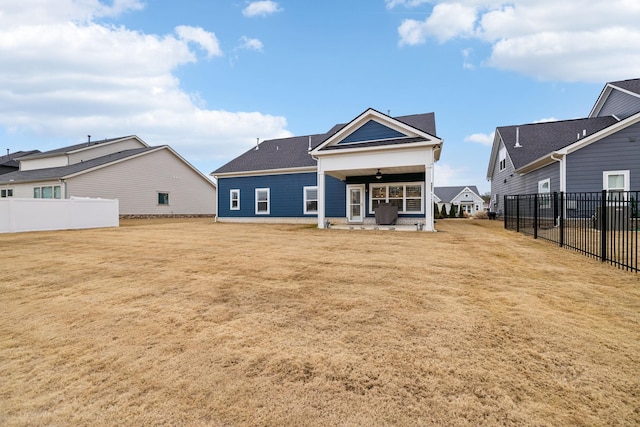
x=465 y=197
x=8 y=163
x=600 y=152
x=338 y=177
x=146 y=180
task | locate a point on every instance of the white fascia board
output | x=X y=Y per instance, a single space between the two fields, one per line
x=360 y=159
x=601 y=100
x=372 y=114
x=264 y=172
x=616 y=127
x=497 y=138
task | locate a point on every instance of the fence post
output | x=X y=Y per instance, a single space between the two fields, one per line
x=518 y=214
x=506 y=211
x=603 y=226
x=535 y=216
x=561 y=217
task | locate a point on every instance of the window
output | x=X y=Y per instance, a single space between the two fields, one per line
x=502 y=157
x=234 y=200
x=6 y=192
x=163 y=198
x=616 y=183
x=544 y=190
x=407 y=197
x=47 y=192
x=262 y=201
x=310 y=200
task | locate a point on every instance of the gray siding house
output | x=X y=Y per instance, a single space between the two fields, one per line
x=600 y=152
x=146 y=180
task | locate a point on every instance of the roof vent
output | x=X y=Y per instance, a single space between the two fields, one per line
x=584 y=132
x=257 y=144
x=88 y=139
x=517 y=139
x=309 y=148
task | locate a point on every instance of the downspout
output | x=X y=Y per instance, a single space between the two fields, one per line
x=563 y=184
x=563 y=170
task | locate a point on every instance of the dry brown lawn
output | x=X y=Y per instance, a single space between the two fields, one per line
x=188 y=322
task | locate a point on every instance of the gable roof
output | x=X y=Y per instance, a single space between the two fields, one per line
x=628 y=88
x=293 y=153
x=447 y=194
x=376 y=129
x=539 y=140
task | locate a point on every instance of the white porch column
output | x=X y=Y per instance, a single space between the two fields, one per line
x=428 y=197
x=320 y=199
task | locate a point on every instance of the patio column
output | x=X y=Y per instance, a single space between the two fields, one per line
x=428 y=197
x=320 y=199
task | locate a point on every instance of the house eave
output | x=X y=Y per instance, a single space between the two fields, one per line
x=263 y=172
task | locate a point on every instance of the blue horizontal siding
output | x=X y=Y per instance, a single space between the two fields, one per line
x=286 y=196
x=372 y=131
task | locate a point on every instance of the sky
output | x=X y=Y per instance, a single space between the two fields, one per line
x=210 y=77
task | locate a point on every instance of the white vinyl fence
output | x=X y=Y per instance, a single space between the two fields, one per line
x=17 y=214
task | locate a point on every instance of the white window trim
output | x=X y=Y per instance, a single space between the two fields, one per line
x=6 y=191
x=502 y=159
x=268 y=211
x=305 y=200
x=53 y=192
x=545 y=202
x=626 y=178
x=404 y=196
x=231 y=193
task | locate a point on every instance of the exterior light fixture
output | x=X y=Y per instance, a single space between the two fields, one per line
x=379 y=174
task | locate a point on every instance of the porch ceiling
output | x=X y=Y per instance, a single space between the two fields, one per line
x=393 y=170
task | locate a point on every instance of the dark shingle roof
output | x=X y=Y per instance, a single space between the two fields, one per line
x=446 y=194
x=632 y=85
x=275 y=154
x=540 y=139
x=10 y=159
x=62 y=171
x=293 y=152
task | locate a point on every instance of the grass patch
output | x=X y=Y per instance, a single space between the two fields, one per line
x=190 y=322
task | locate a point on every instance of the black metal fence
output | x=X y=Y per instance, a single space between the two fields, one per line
x=602 y=225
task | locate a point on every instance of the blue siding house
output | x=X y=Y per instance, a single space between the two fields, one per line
x=599 y=152
x=338 y=177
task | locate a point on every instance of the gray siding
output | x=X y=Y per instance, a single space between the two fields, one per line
x=616 y=152
x=620 y=104
x=507 y=182
x=136 y=183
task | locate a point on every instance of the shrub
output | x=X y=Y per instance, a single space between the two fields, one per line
x=481 y=215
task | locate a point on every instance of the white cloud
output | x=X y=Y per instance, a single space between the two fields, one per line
x=583 y=40
x=204 y=39
x=481 y=138
x=546 y=120
x=446 y=175
x=261 y=8
x=446 y=22
x=66 y=79
x=251 y=44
